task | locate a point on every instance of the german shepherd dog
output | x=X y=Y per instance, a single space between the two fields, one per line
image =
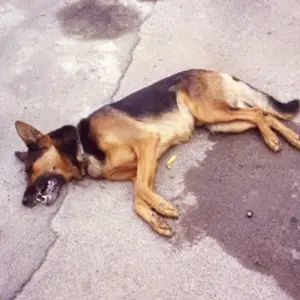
x=124 y=140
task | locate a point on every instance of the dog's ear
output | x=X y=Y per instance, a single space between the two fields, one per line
x=22 y=155
x=27 y=133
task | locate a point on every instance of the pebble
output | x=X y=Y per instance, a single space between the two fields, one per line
x=294 y=219
x=249 y=214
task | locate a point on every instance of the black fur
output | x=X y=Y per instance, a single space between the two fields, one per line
x=29 y=157
x=33 y=146
x=151 y=100
x=290 y=107
x=236 y=79
x=66 y=142
x=32 y=156
x=88 y=145
x=251 y=86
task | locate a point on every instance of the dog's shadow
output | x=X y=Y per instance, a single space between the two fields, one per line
x=239 y=174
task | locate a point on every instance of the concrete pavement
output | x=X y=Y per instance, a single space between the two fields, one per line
x=59 y=61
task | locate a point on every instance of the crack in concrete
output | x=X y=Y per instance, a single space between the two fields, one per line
x=131 y=54
x=39 y=266
x=19 y=291
x=52 y=216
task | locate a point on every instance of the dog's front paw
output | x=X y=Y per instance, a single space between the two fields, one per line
x=168 y=209
x=162 y=227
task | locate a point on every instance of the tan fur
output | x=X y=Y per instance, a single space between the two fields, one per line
x=173 y=127
x=52 y=160
x=94 y=167
x=231 y=127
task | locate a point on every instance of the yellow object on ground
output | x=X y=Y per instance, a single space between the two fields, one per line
x=170 y=161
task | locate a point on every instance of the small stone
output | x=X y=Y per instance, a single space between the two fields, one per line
x=102 y=185
x=294 y=219
x=249 y=214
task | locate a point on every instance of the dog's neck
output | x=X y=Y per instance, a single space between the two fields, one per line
x=81 y=156
x=90 y=164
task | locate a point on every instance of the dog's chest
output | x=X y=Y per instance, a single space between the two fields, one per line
x=174 y=127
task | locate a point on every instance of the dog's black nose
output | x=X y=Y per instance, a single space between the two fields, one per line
x=28 y=202
x=25 y=201
x=29 y=196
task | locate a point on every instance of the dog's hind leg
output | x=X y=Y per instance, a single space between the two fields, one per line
x=291 y=136
x=231 y=127
x=209 y=109
x=241 y=126
x=210 y=115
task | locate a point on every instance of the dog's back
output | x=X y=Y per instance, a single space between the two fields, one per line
x=173 y=106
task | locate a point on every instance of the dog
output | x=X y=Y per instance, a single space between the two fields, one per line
x=125 y=139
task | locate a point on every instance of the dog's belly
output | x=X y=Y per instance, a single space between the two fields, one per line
x=174 y=127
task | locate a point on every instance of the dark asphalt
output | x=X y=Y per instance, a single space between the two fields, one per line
x=242 y=174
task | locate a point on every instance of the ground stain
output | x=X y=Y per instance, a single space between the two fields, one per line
x=95 y=19
x=239 y=174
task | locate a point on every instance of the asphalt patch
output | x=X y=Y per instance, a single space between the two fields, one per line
x=240 y=174
x=93 y=19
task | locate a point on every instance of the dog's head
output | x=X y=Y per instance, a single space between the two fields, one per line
x=51 y=160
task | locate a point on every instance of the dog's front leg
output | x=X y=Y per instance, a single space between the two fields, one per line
x=146 y=150
x=157 y=223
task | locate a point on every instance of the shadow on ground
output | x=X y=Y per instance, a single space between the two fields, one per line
x=241 y=174
x=98 y=19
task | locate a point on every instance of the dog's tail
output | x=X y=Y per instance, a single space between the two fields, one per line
x=243 y=95
x=285 y=111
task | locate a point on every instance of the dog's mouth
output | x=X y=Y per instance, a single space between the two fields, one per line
x=44 y=190
x=49 y=193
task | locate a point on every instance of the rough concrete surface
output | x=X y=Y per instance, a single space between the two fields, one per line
x=62 y=59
